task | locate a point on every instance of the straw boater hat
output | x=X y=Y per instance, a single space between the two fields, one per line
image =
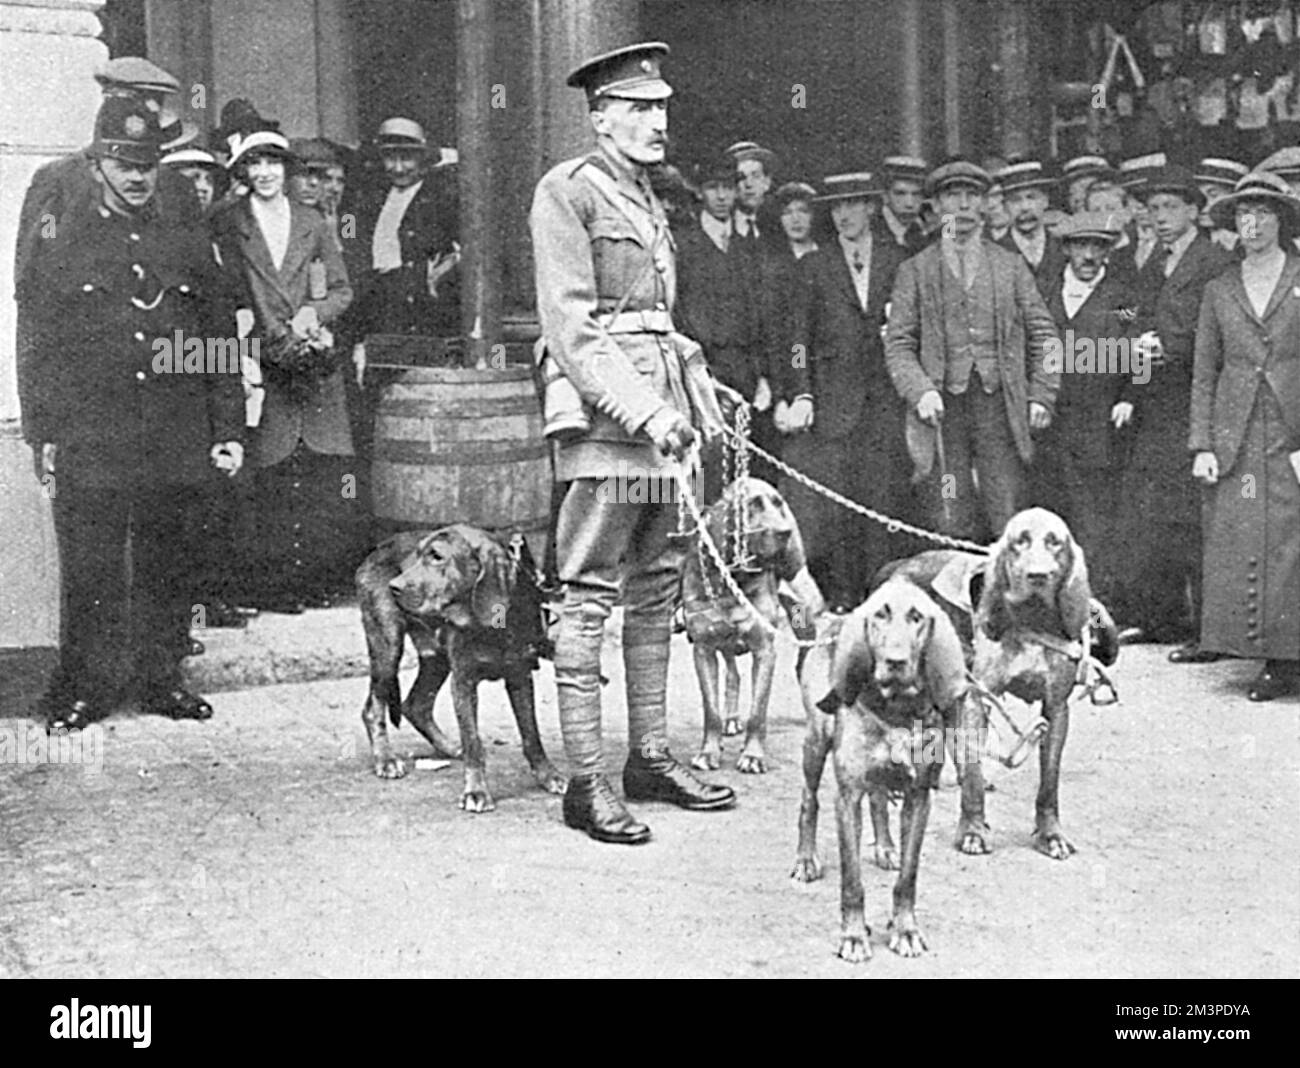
x=398 y=132
x=1224 y=172
x=1136 y=172
x=743 y=150
x=858 y=185
x=911 y=168
x=1086 y=167
x=1255 y=187
x=191 y=157
x=1028 y=174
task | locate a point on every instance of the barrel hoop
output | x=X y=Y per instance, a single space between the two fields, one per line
x=419 y=454
x=449 y=408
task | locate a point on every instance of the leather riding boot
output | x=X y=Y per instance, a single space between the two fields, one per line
x=577 y=685
x=655 y=775
x=591 y=805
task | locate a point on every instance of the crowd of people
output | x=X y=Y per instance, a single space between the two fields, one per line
x=1118 y=341
x=236 y=483
x=1115 y=341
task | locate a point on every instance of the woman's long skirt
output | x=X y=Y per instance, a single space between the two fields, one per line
x=1252 y=546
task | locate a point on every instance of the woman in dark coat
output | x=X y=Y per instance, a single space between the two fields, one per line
x=308 y=519
x=1245 y=433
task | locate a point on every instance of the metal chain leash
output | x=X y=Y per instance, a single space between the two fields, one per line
x=686 y=500
x=894 y=526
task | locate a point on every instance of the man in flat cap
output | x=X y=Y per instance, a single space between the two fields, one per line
x=965 y=346
x=1077 y=461
x=404 y=256
x=125 y=443
x=1025 y=191
x=1161 y=504
x=899 y=219
x=635 y=395
x=835 y=402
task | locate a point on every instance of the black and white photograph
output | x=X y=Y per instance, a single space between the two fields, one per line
x=637 y=489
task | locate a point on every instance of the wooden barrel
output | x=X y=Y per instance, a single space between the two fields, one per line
x=457 y=445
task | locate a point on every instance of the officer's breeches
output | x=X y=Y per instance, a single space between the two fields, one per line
x=612 y=539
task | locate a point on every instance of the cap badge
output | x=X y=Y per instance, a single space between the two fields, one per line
x=134 y=126
x=647 y=66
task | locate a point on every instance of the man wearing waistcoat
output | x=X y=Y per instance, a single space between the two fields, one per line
x=965 y=349
x=626 y=399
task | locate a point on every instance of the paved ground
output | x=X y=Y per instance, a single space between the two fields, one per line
x=259 y=844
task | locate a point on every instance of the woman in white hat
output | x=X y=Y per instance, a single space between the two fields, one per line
x=1245 y=434
x=296 y=284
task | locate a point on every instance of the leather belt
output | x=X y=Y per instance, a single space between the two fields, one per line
x=638 y=322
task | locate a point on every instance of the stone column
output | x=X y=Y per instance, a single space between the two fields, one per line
x=911 y=126
x=952 y=63
x=1015 y=103
x=538 y=42
x=478 y=96
x=49 y=52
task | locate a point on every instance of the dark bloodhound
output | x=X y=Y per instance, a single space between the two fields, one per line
x=885 y=688
x=473 y=613
x=719 y=625
x=1031 y=629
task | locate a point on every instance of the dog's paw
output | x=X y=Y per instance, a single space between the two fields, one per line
x=907 y=941
x=550 y=780
x=806 y=869
x=1054 y=845
x=972 y=842
x=854 y=948
x=390 y=767
x=477 y=801
x=887 y=857
x=751 y=764
x=707 y=760
x=731 y=728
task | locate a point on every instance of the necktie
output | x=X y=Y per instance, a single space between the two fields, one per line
x=1163 y=252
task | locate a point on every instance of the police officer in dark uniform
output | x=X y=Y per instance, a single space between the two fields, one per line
x=625 y=399
x=126 y=430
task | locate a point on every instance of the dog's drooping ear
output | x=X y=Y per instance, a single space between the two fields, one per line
x=490 y=599
x=943 y=662
x=1074 y=597
x=854 y=665
x=994 y=617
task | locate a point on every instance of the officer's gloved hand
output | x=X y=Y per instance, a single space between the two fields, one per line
x=801 y=413
x=728 y=401
x=671 y=432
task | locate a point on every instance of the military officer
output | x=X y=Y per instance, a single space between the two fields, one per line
x=127 y=432
x=637 y=393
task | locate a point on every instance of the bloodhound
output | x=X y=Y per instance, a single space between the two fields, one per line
x=885 y=687
x=718 y=625
x=1030 y=628
x=472 y=612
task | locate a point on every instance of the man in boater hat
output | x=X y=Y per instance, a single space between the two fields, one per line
x=626 y=400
